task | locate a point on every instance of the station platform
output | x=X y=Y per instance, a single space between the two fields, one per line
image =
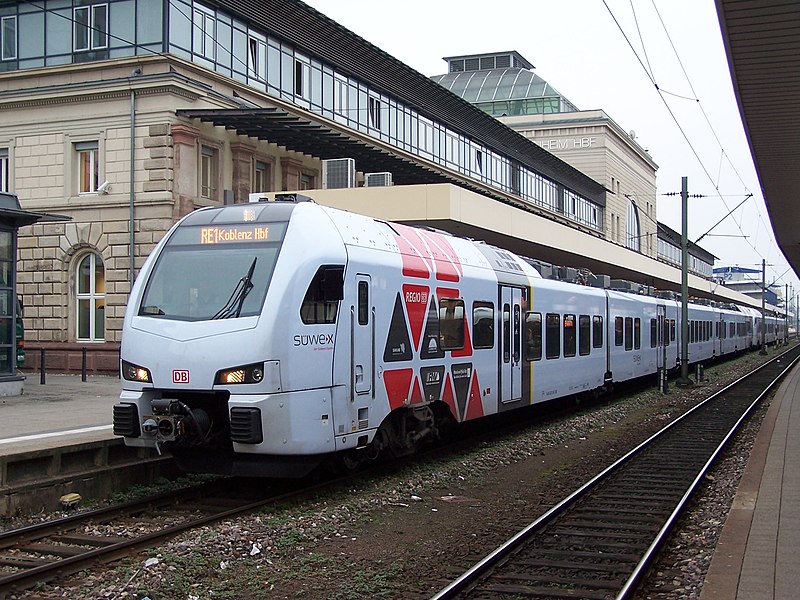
x=757 y=556
x=56 y=438
x=63 y=410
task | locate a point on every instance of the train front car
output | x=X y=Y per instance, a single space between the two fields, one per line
x=213 y=358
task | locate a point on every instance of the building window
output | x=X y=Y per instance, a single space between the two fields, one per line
x=257 y=57
x=91 y=298
x=633 y=236
x=340 y=95
x=88 y=167
x=204 y=33
x=209 y=168
x=374 y=112
x=90 y=27
x=5 y=171
x=262 y=177
x=306 y=181
x=302 y=79
x=8 y=38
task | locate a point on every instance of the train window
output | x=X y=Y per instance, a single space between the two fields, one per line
x=672 y=330
x=597 y=333
x=628 y=333
x=584 y=335
x=506 y=333
x=653 y=333
x=569 y=335
x=517 y=326
x=482 y=325
x=321 y=302
x=451 y=323
x=533 y=336
x=637 y=333
x=363 y=303
x=618 y=329
x=731 y=330
x=553 y=336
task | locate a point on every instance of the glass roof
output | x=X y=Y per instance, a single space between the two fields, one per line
x=497 y=84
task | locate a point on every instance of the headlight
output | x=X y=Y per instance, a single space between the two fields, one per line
x=245 y=374
x=133 y=372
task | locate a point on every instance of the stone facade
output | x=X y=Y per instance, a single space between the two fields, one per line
x=594 y=144
x=42 y=135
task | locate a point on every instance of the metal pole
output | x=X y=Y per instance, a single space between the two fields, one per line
x=763 y=350
x=786 y=315
x=83 y=363
x=42 y=376
x=684 y=378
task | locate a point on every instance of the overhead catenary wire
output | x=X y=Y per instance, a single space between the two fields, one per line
x=678 y=124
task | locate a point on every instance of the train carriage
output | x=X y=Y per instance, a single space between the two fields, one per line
x=262 y=338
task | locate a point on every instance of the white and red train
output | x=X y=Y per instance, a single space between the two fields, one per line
x=261 y=338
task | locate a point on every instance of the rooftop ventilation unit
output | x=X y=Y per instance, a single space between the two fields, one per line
x=338 y=173
x=377 y=179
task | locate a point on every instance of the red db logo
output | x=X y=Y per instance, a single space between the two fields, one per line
x=180 y=376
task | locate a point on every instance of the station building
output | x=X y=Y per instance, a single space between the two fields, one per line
x=125 y=115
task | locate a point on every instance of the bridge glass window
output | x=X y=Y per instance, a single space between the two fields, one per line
x=533 y=336
x=8 y=38
x=553 y=335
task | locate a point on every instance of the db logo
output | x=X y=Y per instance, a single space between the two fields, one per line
x=180 y=376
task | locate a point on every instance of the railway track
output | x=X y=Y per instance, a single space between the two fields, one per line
x=53 y=549
x=598 y=542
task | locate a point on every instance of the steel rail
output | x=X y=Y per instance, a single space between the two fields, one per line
x=480 y=569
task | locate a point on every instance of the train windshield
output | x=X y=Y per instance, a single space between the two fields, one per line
x=213 y=272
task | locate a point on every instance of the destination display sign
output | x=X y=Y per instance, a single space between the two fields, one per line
x=229 y=233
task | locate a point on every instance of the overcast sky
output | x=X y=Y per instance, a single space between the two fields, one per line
x=583 y=49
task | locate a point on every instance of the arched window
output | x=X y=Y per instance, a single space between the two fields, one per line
x=90 y=295
x=632 y=237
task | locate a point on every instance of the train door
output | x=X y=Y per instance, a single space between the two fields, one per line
x=362 y=338
x=661 y=336
x=510 y=333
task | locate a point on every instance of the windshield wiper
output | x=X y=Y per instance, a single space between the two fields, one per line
x=233 y=307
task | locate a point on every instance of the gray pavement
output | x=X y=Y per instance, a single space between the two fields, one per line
x=63 y=410
x=757 y=556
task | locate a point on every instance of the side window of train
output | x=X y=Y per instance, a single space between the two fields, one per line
x=451 y=323
x=321 y=301
x=653 y=333
x=672 y=330
x=553 y=336
x=637 y=333
x=363 y=303
x=482 y=324
x=570 y=335
x=533 y=336
x=597 y=334
x=618 y=330
x=584 y=335
x=666 y=332
x=628 y=333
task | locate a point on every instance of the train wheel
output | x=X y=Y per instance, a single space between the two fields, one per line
x=351 y=460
